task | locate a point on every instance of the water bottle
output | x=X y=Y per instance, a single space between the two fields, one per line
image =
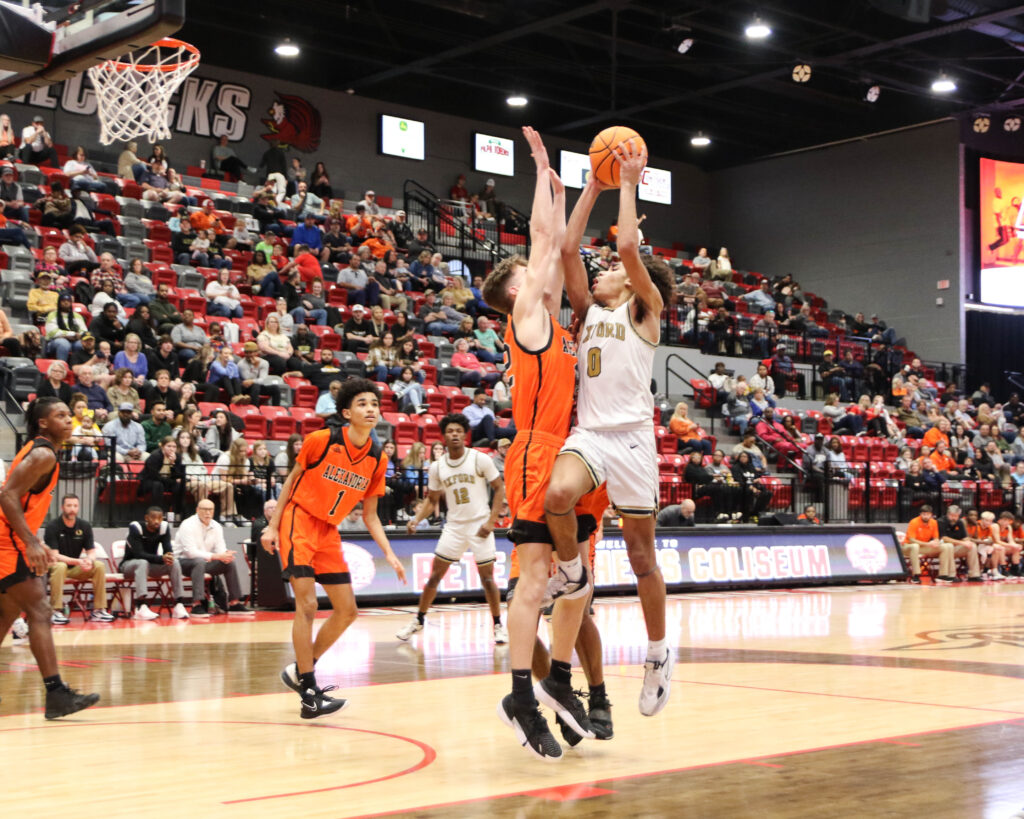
x=211 y=607
x=67 y=610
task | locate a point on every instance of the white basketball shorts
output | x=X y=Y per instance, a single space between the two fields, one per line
x=626 y=460
x=456 y=539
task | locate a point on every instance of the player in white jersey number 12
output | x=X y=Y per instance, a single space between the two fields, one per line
x=464 y=476
x=613 y=440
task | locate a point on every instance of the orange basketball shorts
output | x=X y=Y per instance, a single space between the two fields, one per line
x=13 y=566
x=311 y=547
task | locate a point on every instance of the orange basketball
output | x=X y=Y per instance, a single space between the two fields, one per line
x=604 y=164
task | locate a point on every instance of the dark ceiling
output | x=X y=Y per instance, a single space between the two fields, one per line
x=584 y=66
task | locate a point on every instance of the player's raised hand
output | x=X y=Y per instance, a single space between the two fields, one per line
x=537 y=149
x=269 y=539
x=596 y=184
x=631 y=162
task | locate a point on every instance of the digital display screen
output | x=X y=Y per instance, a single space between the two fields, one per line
x=1001 y=228
x=656 y=186
x=493 y=154
x=402 y=137
x=690 y=560
x=573 y=168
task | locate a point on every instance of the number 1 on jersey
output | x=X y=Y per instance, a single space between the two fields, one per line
x=337 y=502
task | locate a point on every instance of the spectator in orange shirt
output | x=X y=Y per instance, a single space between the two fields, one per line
x=940 y=432
x=612 y=236
x=922 y=540
x=1011 y=536
x=377 y=245
x=687 y=431
x=944 y=464
x=809 y=517
x=982 y=529
x=358 y=224
x=206 y=219
x=306 y=263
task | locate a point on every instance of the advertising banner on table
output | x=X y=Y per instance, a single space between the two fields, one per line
x=690 y=560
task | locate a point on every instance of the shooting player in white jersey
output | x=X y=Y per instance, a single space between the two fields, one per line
x=613 y=441
x=464 y=476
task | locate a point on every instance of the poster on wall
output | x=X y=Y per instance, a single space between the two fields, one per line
x=573 y=168
x=400 y=136
x=493 y=154
x=656 y=186
x=1001 y=230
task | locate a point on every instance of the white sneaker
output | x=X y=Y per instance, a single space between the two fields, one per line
x=405 y=632
x=561 y=585
x=994 y=574
x=19 y=629
x=144 y=612
x=657 y=684
x=58 y=618
x=180 y=612
x=500 y=634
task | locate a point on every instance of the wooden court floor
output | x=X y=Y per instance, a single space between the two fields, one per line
x=887 y=701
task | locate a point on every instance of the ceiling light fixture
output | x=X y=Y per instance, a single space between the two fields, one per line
x=517 y=100
x=700 y=141
x=801 y=72
x=873 y=93
x=685 y=45
x=943 y=85
x=287 y=49
x=982 y=124
x=1011 y=124
x=758 y=29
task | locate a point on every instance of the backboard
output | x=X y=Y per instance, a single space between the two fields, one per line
x=82 y=34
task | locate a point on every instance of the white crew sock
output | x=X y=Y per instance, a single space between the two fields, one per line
x=656 y=649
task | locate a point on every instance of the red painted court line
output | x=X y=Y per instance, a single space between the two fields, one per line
x=700 y=766
x=835 y=696
x=908 y=744
x=569 y=793
x=762 y=764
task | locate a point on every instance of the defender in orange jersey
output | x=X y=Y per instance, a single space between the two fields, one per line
x=543 y=381
x=335 y=470
x=24 y=560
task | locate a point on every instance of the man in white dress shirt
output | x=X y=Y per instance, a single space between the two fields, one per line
x=200 y=548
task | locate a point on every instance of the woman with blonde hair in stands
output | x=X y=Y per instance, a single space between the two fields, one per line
x=414 y=467
x=464 y=300
x=233 y=467
x=261 y=465
x=687 y=431
x=284 y=461
x=132 y=358
x=277 y=348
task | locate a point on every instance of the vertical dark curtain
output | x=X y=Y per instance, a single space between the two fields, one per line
x=995 y=345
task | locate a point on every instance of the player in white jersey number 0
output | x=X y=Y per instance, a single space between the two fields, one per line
x=464 y=476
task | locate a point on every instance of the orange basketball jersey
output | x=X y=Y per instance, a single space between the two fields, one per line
x=543 y=382
x=34 y=504
x=335 y=475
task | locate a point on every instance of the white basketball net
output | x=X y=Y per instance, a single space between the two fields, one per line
x=134 y=91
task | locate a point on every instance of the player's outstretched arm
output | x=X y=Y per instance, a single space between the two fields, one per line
x=554 y=275
x=575 y=273
x=631 y=165
x=376 y=530
x=20 y=481
x=540 y=214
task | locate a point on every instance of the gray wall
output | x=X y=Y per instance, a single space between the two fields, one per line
x=235 y=102
x=869 y=225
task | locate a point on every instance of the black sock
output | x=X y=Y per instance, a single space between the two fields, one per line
x=522 y=687
x=421 y=616
x=307 y=680
x=53 y=683
x=497 y=619
x=598 y=690
x=561 y=672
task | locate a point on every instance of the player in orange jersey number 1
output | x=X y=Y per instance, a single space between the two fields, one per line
x=24 y=560
x=335 y=470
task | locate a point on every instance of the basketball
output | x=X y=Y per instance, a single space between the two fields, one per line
x=603 y=162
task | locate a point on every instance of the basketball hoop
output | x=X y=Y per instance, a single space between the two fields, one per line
x=134 y=91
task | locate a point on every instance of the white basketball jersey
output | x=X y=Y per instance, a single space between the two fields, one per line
x=466 y=485
x=615 y=367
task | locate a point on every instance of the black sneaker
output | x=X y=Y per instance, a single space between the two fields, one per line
x=572 y=739
x=239 y=608
x=915 y=579
x=198 y=610
x=601 y=717
x=64 y=701
x=531 y=730
x=562 y=699
x=978 y=579
x=316 y=703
